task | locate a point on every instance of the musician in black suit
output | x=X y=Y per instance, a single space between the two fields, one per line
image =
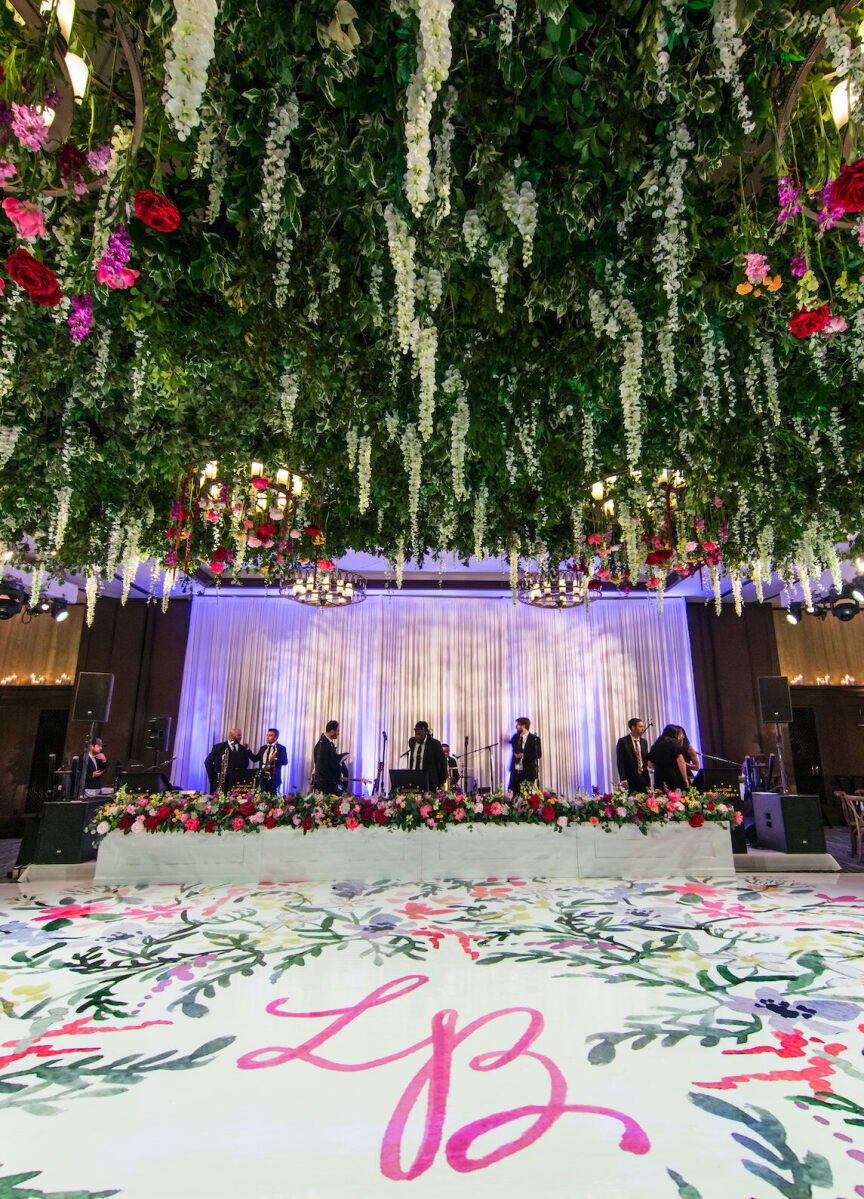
x=95 y=766
x=329 y=765
x=526 y=755
x=425 y=753
x=238 y=759
x=631 y=753
x=271 y=757
x=452 y=766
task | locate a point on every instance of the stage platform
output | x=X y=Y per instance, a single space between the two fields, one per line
x=393 y=855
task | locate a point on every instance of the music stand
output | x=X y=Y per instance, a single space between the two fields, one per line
x=409 y=780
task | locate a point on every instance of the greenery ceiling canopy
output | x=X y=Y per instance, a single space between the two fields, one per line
x=568 y=281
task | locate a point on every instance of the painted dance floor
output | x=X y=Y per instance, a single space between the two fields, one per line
x=511 y=1039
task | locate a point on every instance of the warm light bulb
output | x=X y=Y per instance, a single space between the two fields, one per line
x=296 y=484
x=256 y=469
x=597 y=491
x=79 y=73
x=791 y=617
x=65 y=12
x=858 y=595
x=282 y=477
x=843 y=98
x=210 y=470
x=609 y=507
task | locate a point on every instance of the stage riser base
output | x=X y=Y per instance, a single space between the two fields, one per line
x=374 y=855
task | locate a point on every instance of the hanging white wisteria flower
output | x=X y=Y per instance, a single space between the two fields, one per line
x=510 y=464
x=499 y=271
x=288 y=393
x=480 y=521
x=473 y=231
x=91 y=589
x=424 y=344
x=140 y=363
x=769 y=372
x=730 y=47
x=670 y=24
x=364 y=472
x=375 y=276
x=8 y=438
x=454 y=387
x=131 y=559
x=218 y=176
x=429 y=285
x=666 y=194
x=412 y=455
x=630 y=388
x=433 y=66
x=61 y=518
x=115 y=544
x=588 y=448
x=443 y=166
x=806 y=588
x=37 y=582
x=714 y=574
x=284 y=250
x=399 y=563
x=521 y=210
x=401 y=245
x=514 y=570
x=506 y=15
x=283 y=122
x=100 y=366
x=834 y=434
x=351 y=440
x=735 y=578
x=187 y=60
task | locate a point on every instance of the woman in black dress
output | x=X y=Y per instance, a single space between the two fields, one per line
x=667 y=758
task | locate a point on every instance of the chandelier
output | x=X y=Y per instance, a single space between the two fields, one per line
x=326 y=586
x=564 y=589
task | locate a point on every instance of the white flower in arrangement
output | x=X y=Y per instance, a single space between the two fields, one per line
x=91 y=589
x=130 y=560
x=442 y=169
x=106 y=208
x=506 y=14
x=100 y=366
x=284 y=250
x=391 y=423
x=521 y=210
x=806 y=587
x=402 y=257
x=630 y=388
x=514 y=569
x=283 y=122
x=598 y=313
x=818 y=348
x=589 y=455
x=710 y=378
x=730 y=47
x=433 y=285
x=61 y=517
x=167 y=583
x=510 y=464
x=218 y=176
x=434 y=51
x=288 y=393
x=499 y=271
x=37 y=581
x=480 y=521
x=115 y=544
x=424 y=345
x=351 y=440
x=364 y=472
x=333 y=276
x=769 y=371
x=187 y=60
x=833 y=433
x=8 y=438
x=399 y=563
x=666 y=194
x=412 y=455
x=829 y=553
x=473 y=231
x=454 y=387
x=670 y=24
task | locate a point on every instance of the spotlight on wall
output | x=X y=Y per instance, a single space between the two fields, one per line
x=60 y=609
x=845 y=608
x=12 y=599
x=858 y=593
x=793 y=615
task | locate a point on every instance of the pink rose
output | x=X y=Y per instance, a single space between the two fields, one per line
x=237 y=822
x=562 y=821
x=118 y=279
x=459 y=814
x=26 y=217
x=495 y=808
x=425 y=809
x=256 y=818
x=351 y=822
x=260 y=484
x=478 y=807
x=192 y=823
x=621 y=811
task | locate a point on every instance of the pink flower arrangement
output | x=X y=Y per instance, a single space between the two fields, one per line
x=495 y=808
x=29 y=126
x=459 y=814
x=756 y=268
x=351 y=822
x=26 y=217
x=237 y=823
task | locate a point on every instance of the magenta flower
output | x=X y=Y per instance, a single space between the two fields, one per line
x=81 y=317
x=26 y=217
x=789 y=196
x=111 y=268
x=7 y=171
x=828 y=214
x=97 y=160
x=29 y=127
x=799 y=264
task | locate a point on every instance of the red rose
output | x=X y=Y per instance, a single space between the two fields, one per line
x=267 y=530
x=808 y=321
x=696 y=820
x=595 y=584
x=312 y=531
x=847 y=191
x=548 y=812
x=658 y=556
x=449 y=807
x=380 y=817
x=209 y=826
x=307 y=823
x=38 y=280
x=326 y=564
x=533 y=801
x=151 y=822
x=269 y=821
x=710 y=806
x=164 y=812
x=247 y=808
x=124 y=822
x=365 y=812
x=219 y=554
x=156 y=211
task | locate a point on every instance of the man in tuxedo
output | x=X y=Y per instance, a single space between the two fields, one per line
x=329 y=765
x=239 y=759
x=526 y=755
x=425 y=753
x=632 y=755
x=271 y=758
x=95 y=766
x=452 y=766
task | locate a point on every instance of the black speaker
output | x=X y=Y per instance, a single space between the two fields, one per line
x=789 y=823
x=61 y=837
x=158 y=732
x=775 y=701
x=143 y=782
x=92 y=699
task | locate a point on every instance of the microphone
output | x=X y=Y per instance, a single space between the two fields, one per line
x=405 y=755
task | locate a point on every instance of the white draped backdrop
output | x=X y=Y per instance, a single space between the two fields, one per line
x=469 y=666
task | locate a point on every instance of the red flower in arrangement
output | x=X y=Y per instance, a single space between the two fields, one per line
x=124 y=822
x=247 y=808
x=696 y=820
x=710 y=805
x=209 y=826
x=595 y=584
x=269 y=821
x=533 y=801
x=307 y=823
x=366 y=811
x=151 y=822
x=38 y=280
x=261 y=484
x=219 y=554
x=380 y=817
x=266 y=531
x=808 y=321
x=164 y=812
x=217 y=567
x=658 y=556
x=325 y=564
x=548 y=813
x=312 y=531
x=847 y=191
x=156 y=211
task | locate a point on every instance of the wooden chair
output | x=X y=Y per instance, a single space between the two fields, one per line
x=853 y=812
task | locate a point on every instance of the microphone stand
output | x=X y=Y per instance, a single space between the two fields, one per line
x=480 y=749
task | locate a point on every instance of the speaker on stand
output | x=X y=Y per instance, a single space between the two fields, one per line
x=157 y=736
x=775 y=703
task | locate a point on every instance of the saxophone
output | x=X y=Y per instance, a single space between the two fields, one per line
x=223 y=770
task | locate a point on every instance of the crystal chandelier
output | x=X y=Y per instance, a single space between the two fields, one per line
x=564 y=589
x=326 y=586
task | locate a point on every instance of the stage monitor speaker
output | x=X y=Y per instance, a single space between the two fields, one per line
x=789 y=823
x=143 y=782
x=158 y=733
x=92 y=699
x=62 y=837
x=775 y=701
x=715 y=778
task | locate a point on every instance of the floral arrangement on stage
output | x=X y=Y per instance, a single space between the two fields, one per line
x=245 y=811
x=480 y=281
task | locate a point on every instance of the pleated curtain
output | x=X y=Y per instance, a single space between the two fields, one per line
x=469 y=666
